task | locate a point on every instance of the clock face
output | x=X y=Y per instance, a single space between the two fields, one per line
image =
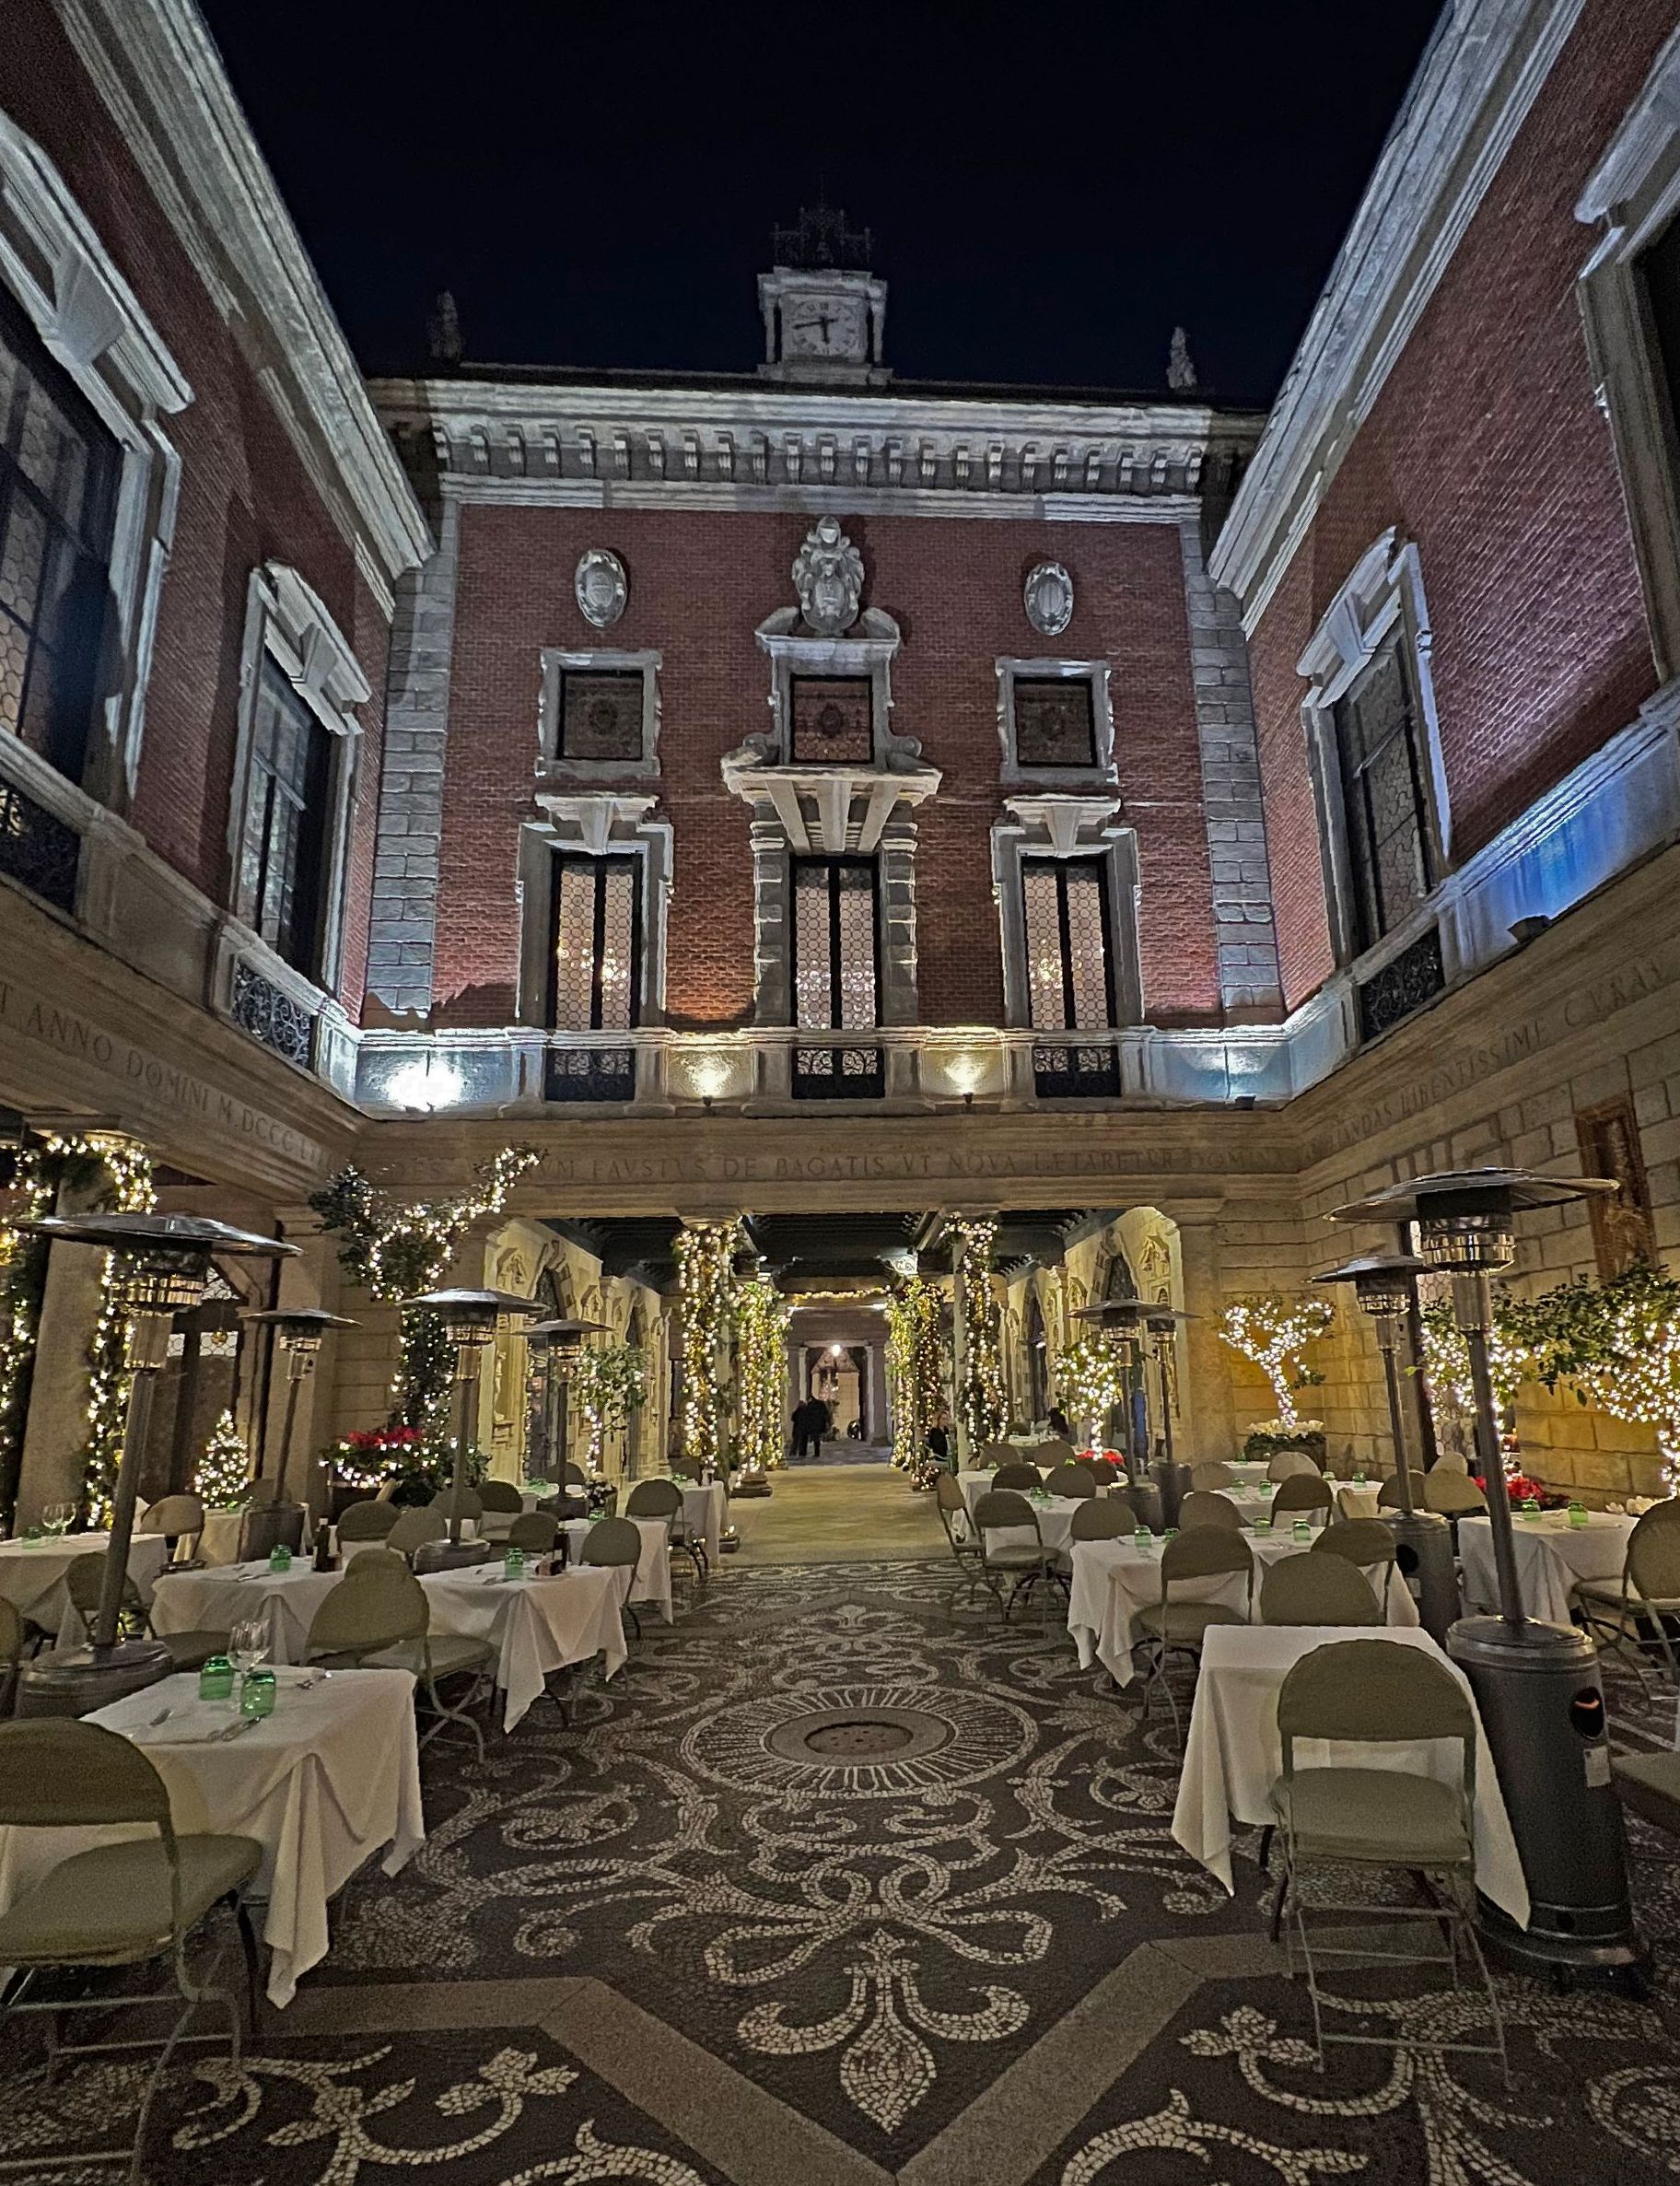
x=824 y=326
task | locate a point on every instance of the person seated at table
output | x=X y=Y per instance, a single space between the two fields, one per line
x=1056 y=1423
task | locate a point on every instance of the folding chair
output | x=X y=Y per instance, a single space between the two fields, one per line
x=1199 y=1508
x=965 y=1541
x=1170 y=1627
x=1309 y=1589
x=1302 y=1492
x=1023 y=1562
x=1647 y=1596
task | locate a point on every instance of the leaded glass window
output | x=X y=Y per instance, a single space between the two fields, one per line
x=833 y=720
x=58 y=478
x=1069 y=985
x=834 y=973
x=595 y=957
x=287 y=822
x=1056 y=722
x=1388 y=849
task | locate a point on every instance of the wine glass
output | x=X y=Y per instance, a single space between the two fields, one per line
x=247 y=1644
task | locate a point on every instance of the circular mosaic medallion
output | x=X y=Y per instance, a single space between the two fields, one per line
x=878 y=1740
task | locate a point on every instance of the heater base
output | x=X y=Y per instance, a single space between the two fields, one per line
x=453 y=1556
x=1623 y=1957
x=75 y=1681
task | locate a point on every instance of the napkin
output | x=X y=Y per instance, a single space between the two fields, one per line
x=189 y=1723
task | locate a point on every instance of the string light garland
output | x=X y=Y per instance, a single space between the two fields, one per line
x=1273 y=1330
x=397 y=1252
x=914 y=1370
x=705 y=1254
x=981 y=1406
x=762 y=1316
x=609 y=1383
x=75 y=1158
x=1092 y=1378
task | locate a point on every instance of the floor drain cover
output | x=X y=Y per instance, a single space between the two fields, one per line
x=861 y=1739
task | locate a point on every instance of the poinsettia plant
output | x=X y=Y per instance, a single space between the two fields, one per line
x=1522 y=1489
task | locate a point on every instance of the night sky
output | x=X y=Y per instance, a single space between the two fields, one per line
x=1051 y=188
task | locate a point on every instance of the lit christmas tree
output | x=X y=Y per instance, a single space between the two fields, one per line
x=224 y=1471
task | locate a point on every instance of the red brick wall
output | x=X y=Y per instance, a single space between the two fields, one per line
x=245 y=496
x=1485 y=447
x=699 y=586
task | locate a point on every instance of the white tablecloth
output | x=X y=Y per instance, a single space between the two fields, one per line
x=1113 y=1580
x=226 y=1594
x=1233 y=1755
x=652 y=1582
x=1551 y=1555
x=706 y=1512
x=32 y=1576
x=1055 y=1516
x=322 y=1784
x=539 y=1625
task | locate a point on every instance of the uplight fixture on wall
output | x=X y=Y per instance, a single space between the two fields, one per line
x=709 y=1073
x=425 y=1084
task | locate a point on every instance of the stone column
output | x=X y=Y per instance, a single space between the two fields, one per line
x=55 y=1431
x=1207 y=1433
x=313 y=1278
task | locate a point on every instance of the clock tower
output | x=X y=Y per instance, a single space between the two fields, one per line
x=825 y=311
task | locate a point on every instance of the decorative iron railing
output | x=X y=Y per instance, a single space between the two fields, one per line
x=260 y=1009
x=38 y=848
x=1416 y=976
x=1083 y=1071
x=589 y=1074
x=839 y=1074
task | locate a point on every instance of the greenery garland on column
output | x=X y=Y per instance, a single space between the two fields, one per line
x=394 y=1253
x=760 y=1316
x=981 y=1405
x=916 y=1381
x=1274 y=1330
x=609 y=1383
x=66 y=1158
x=704 y=1279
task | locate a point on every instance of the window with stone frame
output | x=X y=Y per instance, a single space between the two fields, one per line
x=833 y=720
x=59 y=472
x=1068 y=945
x=837 y=981
x=1055 y=721
x=1381 y=771
x=287 y=823
x=595 y=944
x=600 y=713
x=1658 y=270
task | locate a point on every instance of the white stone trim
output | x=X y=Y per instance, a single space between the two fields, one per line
x=89 y=319
x=1382 y=597
x=595 y=825
x=1635 y=194
x=559 y=661
x=286 y=620
x=155 y=66
x=1063 y=828
x=1098 y=674
x=1472 y=94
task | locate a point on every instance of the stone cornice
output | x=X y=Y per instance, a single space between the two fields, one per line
x=936 y=454
x=1472 y=93
x=154 y=65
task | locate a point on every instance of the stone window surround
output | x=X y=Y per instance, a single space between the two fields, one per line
x=869 y=656
x=595 y=826
x=89 y=320
x=1633 y=194
x=1097 y=673
x=1383 y=595
x=287 y=621
x=1068 y=828
x=559 y=660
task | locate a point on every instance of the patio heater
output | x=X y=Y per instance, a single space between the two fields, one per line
x=1163 y=1321
x=1384 y=1285
x=298 y=1333
x=469 y=1321
x=1537 y=1685
x=1121 y=1322
x=162 y=1267
x=554 y=1345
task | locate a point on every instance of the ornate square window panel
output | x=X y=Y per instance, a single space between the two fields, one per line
x=1055 y=721
x=600 y=714
x=833 y=721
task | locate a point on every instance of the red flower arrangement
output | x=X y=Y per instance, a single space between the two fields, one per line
x=1522 y=1488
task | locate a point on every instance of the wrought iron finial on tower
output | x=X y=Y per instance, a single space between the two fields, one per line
x=821 y=240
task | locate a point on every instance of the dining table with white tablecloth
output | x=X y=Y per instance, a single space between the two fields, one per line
x=223 y=1594
x=325 y=1782
x=1352 y=1499
x=652 y=1580
x=1233 y=1754
x=32 y=1576
x=1113 y=1580
x=1551 y=1555
x=537 y=1625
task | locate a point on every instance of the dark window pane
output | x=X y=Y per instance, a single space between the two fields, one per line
x=834 y=943
x=833 y=720
x=58 y=473
x=600 y=714
x=1381 y=783
x=1660 y=268
x=1068 y=983
x=1055 y=721
x=288 y=821
x=595 y=944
